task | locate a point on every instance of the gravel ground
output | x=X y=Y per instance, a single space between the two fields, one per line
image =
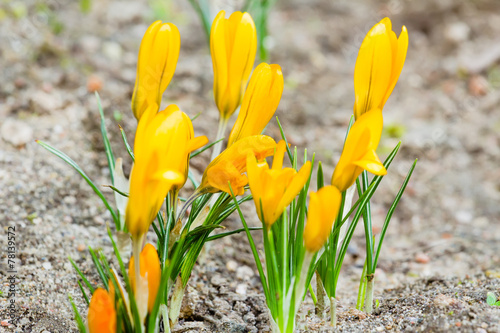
x=441 y=253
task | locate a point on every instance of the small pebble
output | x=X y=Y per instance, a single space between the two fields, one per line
x=47 y=265
x=422 y=258
x=16 y=132
x=231 y=265
x=81 y=247
x=4 y=323
x=241 y=289
x=458 y=324
x=380 y=329
x=244 y=273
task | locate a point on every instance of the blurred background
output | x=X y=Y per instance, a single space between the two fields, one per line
x=445 y=110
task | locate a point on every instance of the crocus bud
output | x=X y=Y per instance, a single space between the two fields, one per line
x=163 y=142
x=158 y=56
x=380 y=60
x=323 y=208
x=150 y=266
x=102 y=314
x=230 y=165
x=260 y=102
x=233 y=45
x=274 y=189
x=359 y=151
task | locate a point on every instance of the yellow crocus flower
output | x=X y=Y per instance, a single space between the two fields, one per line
x=230 y=165
x=233 y=45
x=323 y=208
x=150 y=265
x=163 y=142
x=158 y=56
x=102 y=314
x=260 y=102
x=379 y=63
x=274 y=189
x=359 y=151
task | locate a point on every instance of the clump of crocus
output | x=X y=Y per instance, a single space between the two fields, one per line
x=380 y=61
x=102 y=314
x=273 y=189
x=260 y=102
x=158 y=56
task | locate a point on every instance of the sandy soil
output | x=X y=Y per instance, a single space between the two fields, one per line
x=441 y=254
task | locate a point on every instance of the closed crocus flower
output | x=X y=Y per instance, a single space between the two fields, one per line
x=274 y=189
x=158 y=56
x=230 y=165
x=150 y=269
x=233 y=45
x=260 y=102
x=163 y=142
x=380 y=61
x=102 y=314
x=323 y=208
x=359 y=151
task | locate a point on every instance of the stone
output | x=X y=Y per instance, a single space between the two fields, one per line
x=244 y=273
x=16 y=132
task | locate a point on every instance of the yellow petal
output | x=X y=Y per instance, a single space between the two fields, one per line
x=293 y=189
x=234 y=159
x=102 y=314
x=323 y=209
x=260 y=102
x=150 y=268
x=362 y=140
x=371 y=163
x=401 y=47
x=279 y=155
x=233 y=45
x=158 y=55
x=378 y=66
x=162 y=146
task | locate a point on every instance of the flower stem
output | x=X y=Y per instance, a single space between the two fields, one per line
x=220 y=134
x=333 y=312
x=369 y=294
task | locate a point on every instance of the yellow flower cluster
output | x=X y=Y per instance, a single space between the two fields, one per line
x=165 y=139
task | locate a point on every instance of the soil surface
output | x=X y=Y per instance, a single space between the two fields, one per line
x=441 y=254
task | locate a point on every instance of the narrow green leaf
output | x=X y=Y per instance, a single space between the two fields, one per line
x=75 y=166
x=79 y=272
x=127 y=146
x=391 y=211
x=78 y=317
x=229 y=233
x=107 y=144
x=290 y=155
x=83 y=292
x=202 y=149
x=320 y=176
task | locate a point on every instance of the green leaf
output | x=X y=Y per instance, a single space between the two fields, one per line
x=79 y=272
x=290 y=155
x=75 y=166
x=78 y=317
x=229 y=233
x=202 y=149
x=107 y=144
x=491 y=299
x=127 y=146
x=391 y=211
x=320 y=177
